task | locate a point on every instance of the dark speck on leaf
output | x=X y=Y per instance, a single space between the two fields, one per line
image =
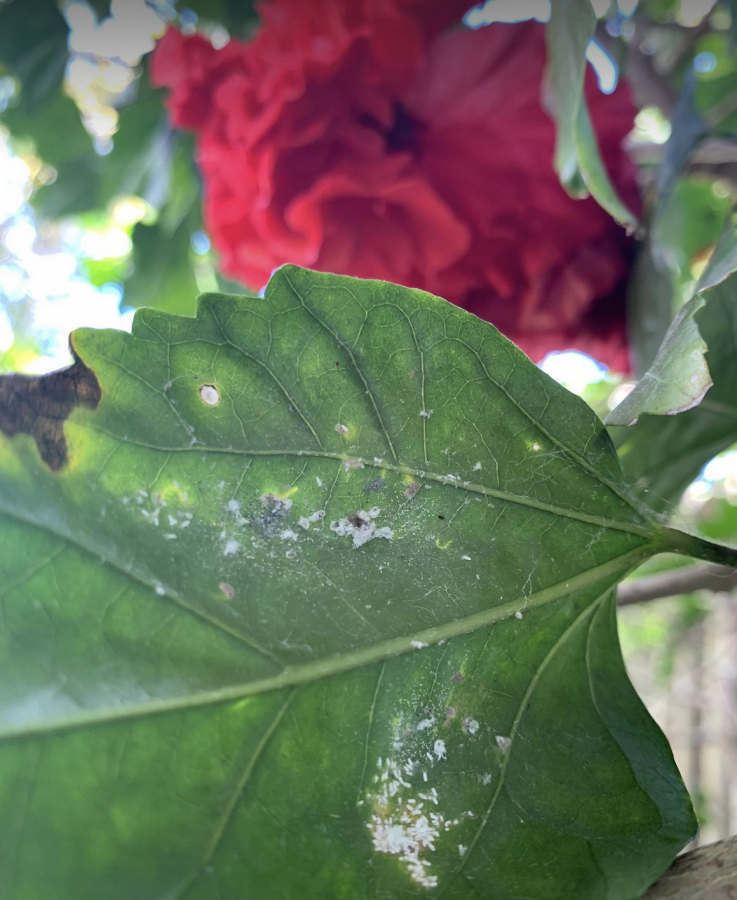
x=376 y=484
x=269 y=520
x=458 y=678
x=357 y=521
x=441 y=517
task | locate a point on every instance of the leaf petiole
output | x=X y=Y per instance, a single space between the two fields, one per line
x=690 y=545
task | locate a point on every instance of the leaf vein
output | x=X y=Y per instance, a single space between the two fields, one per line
x=643 y=530
x=292 y=402
x=131 y=573
x=235 y=797
x=344 y=346
x=534 y=681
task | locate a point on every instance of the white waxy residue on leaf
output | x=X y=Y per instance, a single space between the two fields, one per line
x=361 y=527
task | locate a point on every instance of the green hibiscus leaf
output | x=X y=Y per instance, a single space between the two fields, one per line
x=662 y=455
x=679 y=377
x=163 y=270
x=684 y=214
x=577 y=158
x=33 y=47
x=313 y=596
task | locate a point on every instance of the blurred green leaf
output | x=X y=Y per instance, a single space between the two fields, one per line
x=663 y=11
x=163 y=275
x=691 y=222
x=140 y=159
x=661 y=455
x=183 y=187
x=716 y=91
x=722 y=63
x=718 y=519
x=650 y=301
x=679 y=376
x=228 y=286
x=20 y=355
x=687 y=131
x=149 y=159
x=577 y=159
x=723 y=261
x=239 y=17
x=653 y=286
x=102 y=271
x=688 y=223
x=57 y=133
x=732 y=7
x=61 y=140
x=33 y=47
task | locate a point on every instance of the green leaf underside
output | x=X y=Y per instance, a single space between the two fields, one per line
x=686 y=219
x=679 y=377
x=211 y=692
x=662 y=455
x=577 y=158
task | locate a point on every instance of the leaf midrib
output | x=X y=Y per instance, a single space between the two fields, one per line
x=645 y=530
x=308 y=673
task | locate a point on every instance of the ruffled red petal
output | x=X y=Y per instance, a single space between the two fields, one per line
x=363 y=137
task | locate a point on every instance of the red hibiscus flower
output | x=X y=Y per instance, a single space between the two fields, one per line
x=367 y=138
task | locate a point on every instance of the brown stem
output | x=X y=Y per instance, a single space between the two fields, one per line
x=707 y=577
x=711 y=152
x=709 y=873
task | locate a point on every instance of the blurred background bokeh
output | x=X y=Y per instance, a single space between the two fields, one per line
x=100 y=212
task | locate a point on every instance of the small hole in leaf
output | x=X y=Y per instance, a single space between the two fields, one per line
x=209 y=395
